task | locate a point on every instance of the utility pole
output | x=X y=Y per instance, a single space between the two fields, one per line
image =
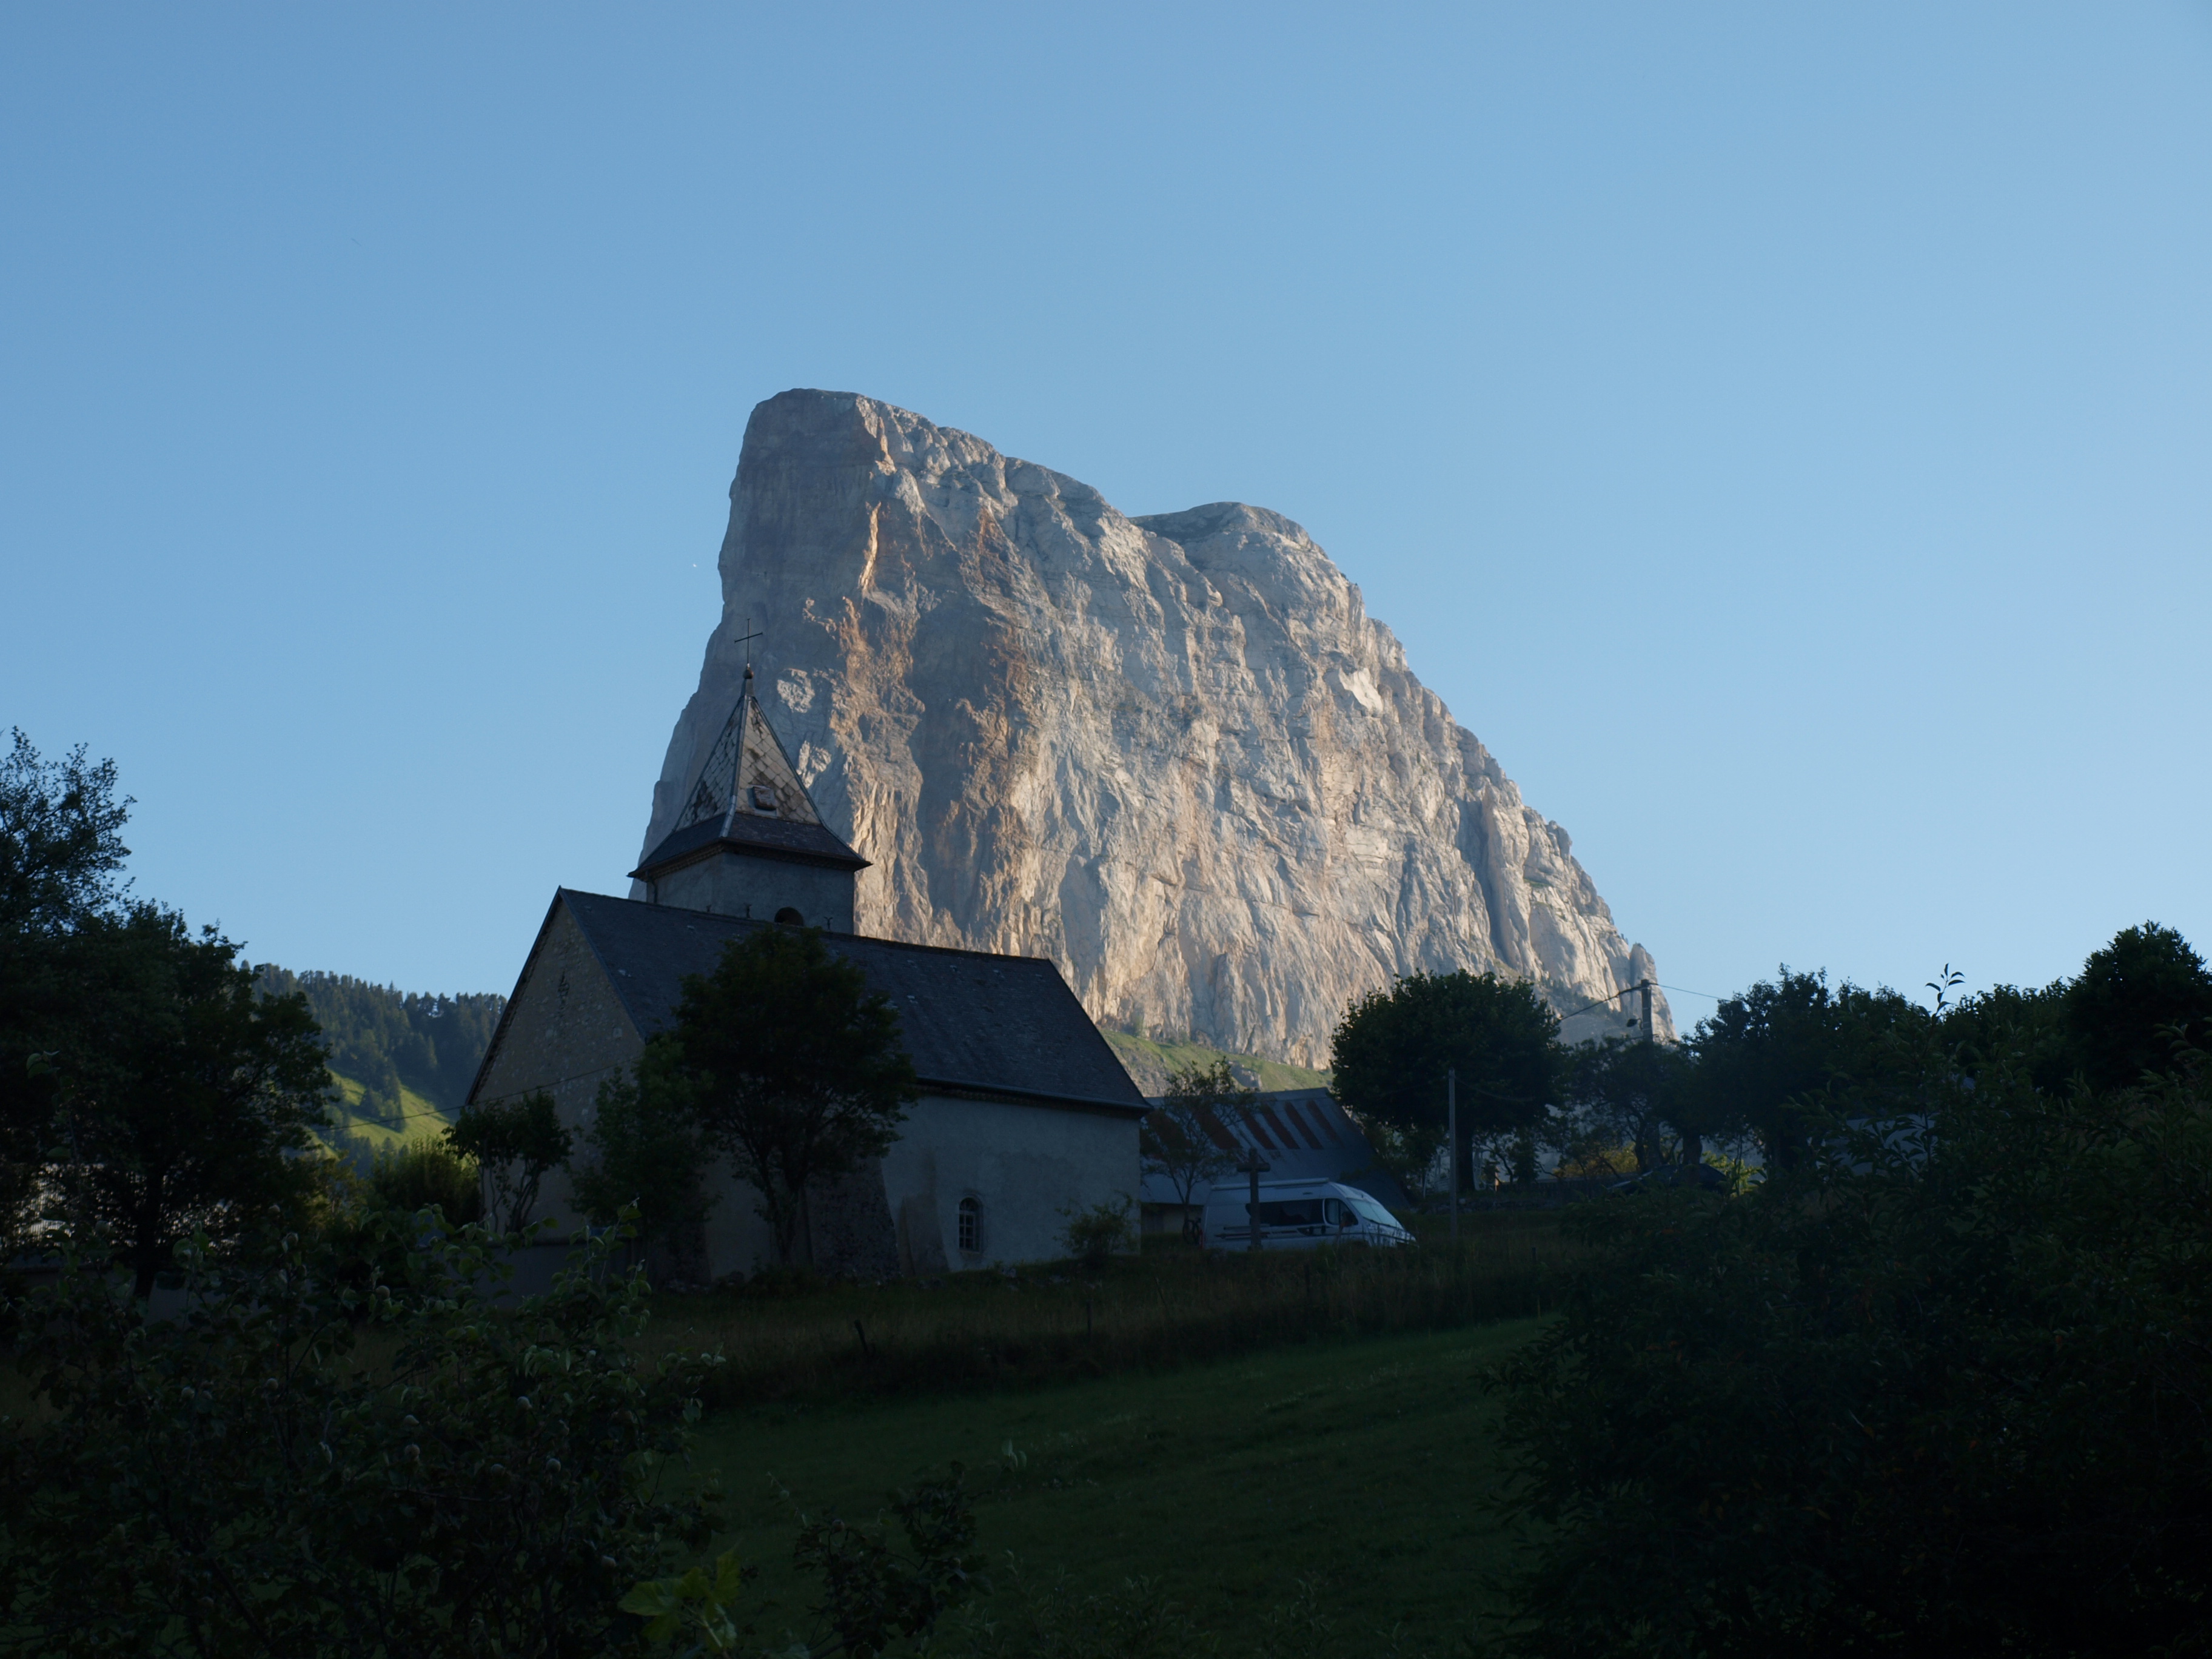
x=1644 y=988
x=1254 y=1167
x=1451 y=1128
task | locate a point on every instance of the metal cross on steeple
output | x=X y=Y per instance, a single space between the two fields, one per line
x=747 y=638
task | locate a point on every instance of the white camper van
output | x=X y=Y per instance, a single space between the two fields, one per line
x=1298 y=1215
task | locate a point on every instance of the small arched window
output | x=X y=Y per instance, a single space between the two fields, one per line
x=789 y=917
x=971 y=1224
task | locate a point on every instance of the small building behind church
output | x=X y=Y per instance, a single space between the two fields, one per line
x=1025 y=1113
x=1300 y=1134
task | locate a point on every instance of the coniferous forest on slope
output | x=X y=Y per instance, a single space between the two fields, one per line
x=386 y=1045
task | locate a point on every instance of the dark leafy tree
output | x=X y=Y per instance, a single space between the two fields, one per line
x=304 y=1462
x=513 y=1143
x=645 y=1149
x=2116 y=1023
x=2022 y=1031
x=1393 y=1048
x=61 y=840
x=1934 y=1387
x=1182 y=1139
x=1772 y=1058
x=1638 y=1094
x=61 y=852
x=796 y=1067
x=2133 y=1001
x=185 y=1101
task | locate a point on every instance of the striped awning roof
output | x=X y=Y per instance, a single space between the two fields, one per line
x=1301 y=1134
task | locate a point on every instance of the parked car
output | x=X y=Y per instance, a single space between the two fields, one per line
x=1298 y=1215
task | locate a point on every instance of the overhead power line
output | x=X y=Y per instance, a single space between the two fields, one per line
x=1642 y=989
x=1627 y=989
x=1624 y=990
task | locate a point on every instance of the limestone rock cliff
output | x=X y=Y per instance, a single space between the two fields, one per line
x=1174 y=754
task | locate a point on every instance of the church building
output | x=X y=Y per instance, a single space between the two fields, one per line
x=1023 y=1110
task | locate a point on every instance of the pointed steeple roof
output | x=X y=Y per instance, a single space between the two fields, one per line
x=748 y=798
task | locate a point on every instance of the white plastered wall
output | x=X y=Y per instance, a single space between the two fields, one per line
x=1025 y=1165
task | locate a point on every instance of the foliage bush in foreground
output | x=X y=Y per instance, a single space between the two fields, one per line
x=874 y=1597
x=513 y=1143
x=1944 y=1386
x=294 y=1465
x=1094 y=1233
x=426 y=1171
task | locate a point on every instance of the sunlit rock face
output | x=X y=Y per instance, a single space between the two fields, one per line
x=1174 y=754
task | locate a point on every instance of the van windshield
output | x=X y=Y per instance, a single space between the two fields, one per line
x=1371 y=1210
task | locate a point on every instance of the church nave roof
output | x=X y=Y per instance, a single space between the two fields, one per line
x=971 y=1021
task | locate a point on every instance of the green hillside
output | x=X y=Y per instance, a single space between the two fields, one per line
x=356 y=1130
x=1150 y=1061
x=401 y=1062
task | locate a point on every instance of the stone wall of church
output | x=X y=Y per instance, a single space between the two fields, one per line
x=731 y=885
x=846 y=1232
x=566 y=1032
x=1023 y=1165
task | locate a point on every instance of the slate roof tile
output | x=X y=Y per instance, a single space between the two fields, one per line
x=806 y=843
x=971 y=1020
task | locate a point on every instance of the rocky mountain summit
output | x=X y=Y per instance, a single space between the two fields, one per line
x=1174 y=754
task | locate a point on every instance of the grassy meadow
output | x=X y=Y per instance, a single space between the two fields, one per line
x=1167 y=1306
x=1292 y=1434
x=1355 y=1469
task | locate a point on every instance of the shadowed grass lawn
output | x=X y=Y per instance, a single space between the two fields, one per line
x=1360 y=1464
x=1168 y=1305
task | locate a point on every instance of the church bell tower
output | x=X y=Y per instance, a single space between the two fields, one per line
x=748 y=842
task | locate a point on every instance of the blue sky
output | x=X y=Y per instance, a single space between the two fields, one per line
x=1781 y=433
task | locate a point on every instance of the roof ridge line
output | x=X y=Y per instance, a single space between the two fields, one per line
x=865 y=938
